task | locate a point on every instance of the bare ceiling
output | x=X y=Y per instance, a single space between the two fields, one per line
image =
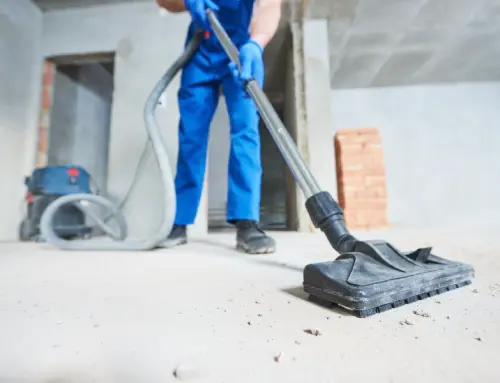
x=398 y=42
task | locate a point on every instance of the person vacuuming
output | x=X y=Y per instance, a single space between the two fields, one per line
x=250 y=24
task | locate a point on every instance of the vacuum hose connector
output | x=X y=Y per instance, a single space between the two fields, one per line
x=160 y=150
x=327 y=215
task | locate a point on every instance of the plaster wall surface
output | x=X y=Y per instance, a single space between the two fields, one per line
x=20 y=77
x=441 y=149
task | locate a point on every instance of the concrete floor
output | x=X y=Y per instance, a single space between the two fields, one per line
x=224 y=317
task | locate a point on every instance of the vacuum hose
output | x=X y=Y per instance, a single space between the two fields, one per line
x=160 y=151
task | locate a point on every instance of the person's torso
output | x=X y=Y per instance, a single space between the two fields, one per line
x=235 y=17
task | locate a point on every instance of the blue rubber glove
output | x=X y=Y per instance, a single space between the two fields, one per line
x=252 y=64
x=197 y=10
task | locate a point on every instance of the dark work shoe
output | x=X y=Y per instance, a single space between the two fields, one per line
x=251 y=239
x=178 y=236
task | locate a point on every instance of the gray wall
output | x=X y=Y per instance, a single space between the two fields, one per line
x=20 y=77
x=441 y=149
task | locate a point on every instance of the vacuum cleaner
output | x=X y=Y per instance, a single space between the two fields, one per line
x=368 y=277
x=44 y=186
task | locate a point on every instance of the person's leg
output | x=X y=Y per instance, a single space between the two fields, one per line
x=245 y=170
x=197 y=98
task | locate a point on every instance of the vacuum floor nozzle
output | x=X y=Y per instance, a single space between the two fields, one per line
x=376 y=277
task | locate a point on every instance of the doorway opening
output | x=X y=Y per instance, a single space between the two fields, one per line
x=76 y=114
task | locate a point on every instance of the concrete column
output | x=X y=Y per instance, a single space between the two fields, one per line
x=313 y=130
x=317 y=95
x=296 y=120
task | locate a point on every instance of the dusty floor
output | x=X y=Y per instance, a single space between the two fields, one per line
x=225 y=317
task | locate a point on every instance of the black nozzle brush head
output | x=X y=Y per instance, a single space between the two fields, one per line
x=373 y=276
x=376 y=277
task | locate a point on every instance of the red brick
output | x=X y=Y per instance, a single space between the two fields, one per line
x=357 y=132
x=48 y=73
x=362 y=192
x=351 y=149
x=365 y=204
x=46 y=99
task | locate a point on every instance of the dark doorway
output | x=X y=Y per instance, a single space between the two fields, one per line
x=80 y=115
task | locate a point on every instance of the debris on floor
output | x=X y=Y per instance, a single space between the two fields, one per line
x=421 y=313
x=314 y=332
x=407 y=322
x=475 y=291
x=278 y=357
x=478 y=338
x=186 y=372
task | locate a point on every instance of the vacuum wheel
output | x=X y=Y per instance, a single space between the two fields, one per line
x=23 y=231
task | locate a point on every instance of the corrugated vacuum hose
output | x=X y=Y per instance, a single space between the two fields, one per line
x=118 y=240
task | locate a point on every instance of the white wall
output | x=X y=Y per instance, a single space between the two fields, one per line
x=441 y=146
x=20 y=77
x=145 y=44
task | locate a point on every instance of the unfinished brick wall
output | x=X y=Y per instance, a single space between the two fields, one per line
x=45 y=107
x=361 y=178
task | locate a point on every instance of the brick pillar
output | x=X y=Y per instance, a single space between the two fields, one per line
x=45 y=107
x=361 y=178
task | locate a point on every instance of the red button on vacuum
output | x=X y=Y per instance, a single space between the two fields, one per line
x=73 y=172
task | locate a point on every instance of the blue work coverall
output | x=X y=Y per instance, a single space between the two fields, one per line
x=198 y=99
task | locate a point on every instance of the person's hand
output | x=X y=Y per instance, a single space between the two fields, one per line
x=197 y=9
x=252 y=64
